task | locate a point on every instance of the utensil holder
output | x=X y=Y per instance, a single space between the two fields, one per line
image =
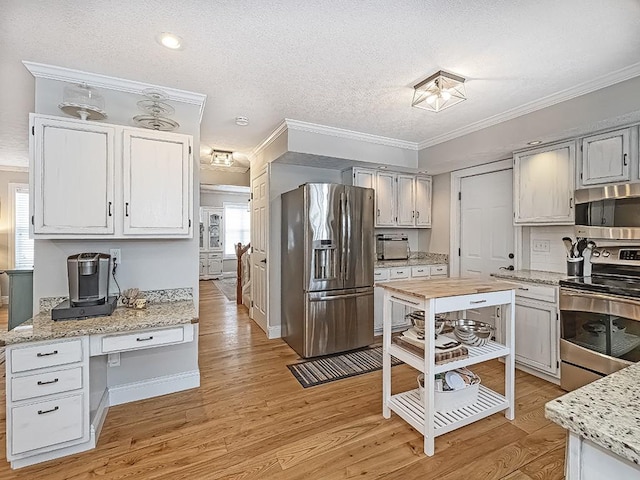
x=575 y=267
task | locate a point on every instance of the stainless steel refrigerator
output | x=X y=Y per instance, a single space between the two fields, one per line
x=327 y=268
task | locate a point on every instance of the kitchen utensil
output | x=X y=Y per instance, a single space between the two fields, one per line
x=581 y=245
x=568 y=244
x=472 y=332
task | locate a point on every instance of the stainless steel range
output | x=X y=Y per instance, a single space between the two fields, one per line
x=600 y=317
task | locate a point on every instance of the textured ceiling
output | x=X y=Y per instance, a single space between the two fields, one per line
x=345 y=64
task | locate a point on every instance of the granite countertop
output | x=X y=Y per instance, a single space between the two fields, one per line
x=171 y=307
x=446 y=287
x=416 y=258
x=606 y=412
x=531 y=276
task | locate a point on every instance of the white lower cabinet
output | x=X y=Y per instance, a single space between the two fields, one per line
x=47 y=397
x=399 y=312
x=537 y=325
x=211 y=266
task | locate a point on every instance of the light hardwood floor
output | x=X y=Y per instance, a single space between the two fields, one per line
x=250 y=419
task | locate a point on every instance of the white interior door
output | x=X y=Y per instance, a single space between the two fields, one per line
x=486 y=228
x=259 y=249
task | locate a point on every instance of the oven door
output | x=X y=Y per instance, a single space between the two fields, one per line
x=598 y=333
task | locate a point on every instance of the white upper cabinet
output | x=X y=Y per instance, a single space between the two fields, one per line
x=423 y=202
x=363 y=177
x=72 y=164
x=386 y=199
x=156 y=176
x=93 y=180
x=406 y=200
x=606 y=158
x=544 y=185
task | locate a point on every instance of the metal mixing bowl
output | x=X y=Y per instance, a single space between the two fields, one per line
x=471 y=332
x=417 y=319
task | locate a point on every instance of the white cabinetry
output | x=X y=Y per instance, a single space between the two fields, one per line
x=544 y=185
x=399 y=312
x=386 y=202
x=537 y=329
x=47 y=397
x=157 y=177
x=93 y=180
x=606 y=158
x=211 y=242
x=402 y=200
x=423 y=202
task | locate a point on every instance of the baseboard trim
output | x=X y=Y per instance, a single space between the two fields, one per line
x=536 y=373
x=274 y=332
x=101 y=413
x=154 y=387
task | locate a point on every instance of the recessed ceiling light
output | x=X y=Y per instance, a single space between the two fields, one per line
x=169 y=40
x=242 y=121
x=535 y=142
x=383 y=167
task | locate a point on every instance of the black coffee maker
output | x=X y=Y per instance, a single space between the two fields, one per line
x=88 y=275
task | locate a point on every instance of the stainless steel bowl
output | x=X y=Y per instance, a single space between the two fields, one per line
x=471 y=332
x=417 y=320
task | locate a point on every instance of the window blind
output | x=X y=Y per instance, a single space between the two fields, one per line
x=236 y=227
x=23 y=245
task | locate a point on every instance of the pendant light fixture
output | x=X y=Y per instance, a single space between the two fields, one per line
x=441 y=90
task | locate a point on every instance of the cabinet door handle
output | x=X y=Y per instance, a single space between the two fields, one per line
x=571 y=203
x=524 y=289
x=144 y=339
x=624 y=159
x=42 y=412
x=55 y=352
x=110 y=209
x=418 y=214
x=55 y=380
x=378 y=212
x=477 y=302
x=413 y=214
x=126 y=209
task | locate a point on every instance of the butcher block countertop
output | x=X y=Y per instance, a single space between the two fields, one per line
x=446 y=287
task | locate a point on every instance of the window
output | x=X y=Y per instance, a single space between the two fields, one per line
x=20 y=245
x=236 y=227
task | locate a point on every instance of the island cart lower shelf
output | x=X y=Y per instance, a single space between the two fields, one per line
x=440 y=296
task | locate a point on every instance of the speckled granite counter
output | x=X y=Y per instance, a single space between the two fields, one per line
x=531 y=276
x=606 y=412
x=418 y=258
x=172 y=308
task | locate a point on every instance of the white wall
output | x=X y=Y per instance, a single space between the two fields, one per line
x=217 y=177
x=284 y=178
x=536 y=257
x=436 y=239
x=147 y=264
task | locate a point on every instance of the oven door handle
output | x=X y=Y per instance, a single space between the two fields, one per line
x=577 y=301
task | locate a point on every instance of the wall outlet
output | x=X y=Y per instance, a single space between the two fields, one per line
x=541 y=246
x=116 y=256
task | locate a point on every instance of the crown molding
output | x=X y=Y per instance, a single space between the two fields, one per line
x=268 y=141
x=349 y=134
x=230 y=189
x=62 y=74
x=582 y=89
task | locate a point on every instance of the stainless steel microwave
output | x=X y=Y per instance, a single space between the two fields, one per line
x=610 y=212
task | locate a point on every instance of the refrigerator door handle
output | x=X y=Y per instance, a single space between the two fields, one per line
x=339 y=297
x=343 y=237
x=347 y=236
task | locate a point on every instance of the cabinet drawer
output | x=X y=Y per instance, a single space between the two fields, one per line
x=45 y=355
x=439 y=270
x=47 y=423
x=380 y=275
x=420 y=271
x=46 y=383
x=395 y=273
x=536 y=292
x=134 y=341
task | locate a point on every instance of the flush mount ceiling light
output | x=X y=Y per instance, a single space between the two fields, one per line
x=169 y=40
x=535 y=142
x=221 y=158
x=441 y=90
x=242 y=121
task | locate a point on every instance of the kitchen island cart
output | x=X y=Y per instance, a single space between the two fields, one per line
x=436 y=297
